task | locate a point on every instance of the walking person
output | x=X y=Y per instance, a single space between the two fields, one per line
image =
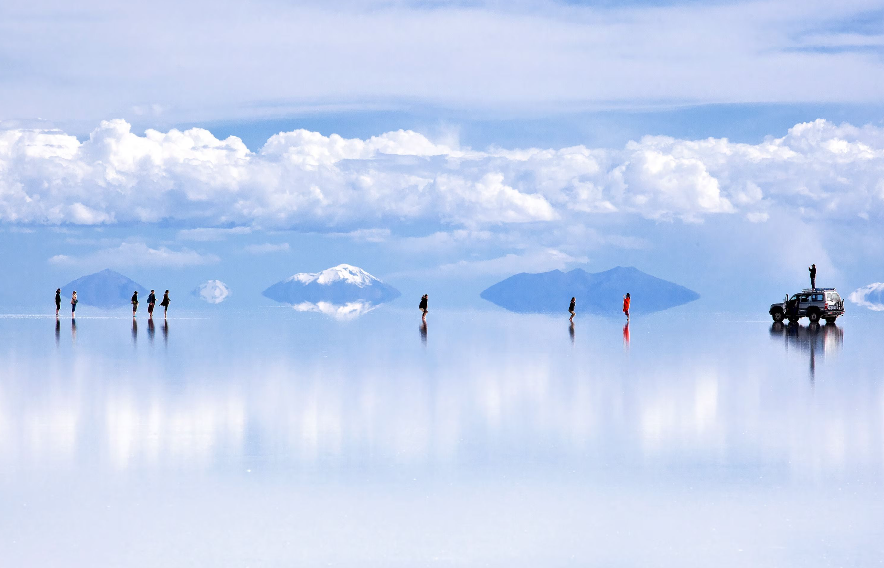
x=571 y=309
x=626 y=301
x=423 y=306
x=57 y=302
x=165 y=304
x=74 y=301
x=134 y=302
x=812 y=270
x=151 y=302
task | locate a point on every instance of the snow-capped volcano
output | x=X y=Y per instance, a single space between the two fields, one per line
x=341 y=284
x=340 y=273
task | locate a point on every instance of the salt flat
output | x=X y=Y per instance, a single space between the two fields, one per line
x=277 y=438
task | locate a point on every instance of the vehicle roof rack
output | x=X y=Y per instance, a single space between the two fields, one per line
x=818 y=289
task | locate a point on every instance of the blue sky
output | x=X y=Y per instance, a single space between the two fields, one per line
x=721 y=145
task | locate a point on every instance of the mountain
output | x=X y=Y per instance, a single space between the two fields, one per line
x=105 y=289
x=340 y=285
x=597 y=293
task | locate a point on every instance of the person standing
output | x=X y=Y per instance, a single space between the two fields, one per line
x=165 y=304
x=134 y=302
x=151 y=302
x=626 y=301
x=57 y=302
x=571 y=309
x=812 y=270
x=423 y=306
x=74 y=301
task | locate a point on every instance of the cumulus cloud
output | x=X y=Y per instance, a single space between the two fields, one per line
x=212 y=291
x=267 y=248
x=137 y=254
x=871 y=296
x=304 y=179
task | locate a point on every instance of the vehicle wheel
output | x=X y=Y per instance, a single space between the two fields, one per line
x=830 y=320
x=777 y=316
x=814 y=317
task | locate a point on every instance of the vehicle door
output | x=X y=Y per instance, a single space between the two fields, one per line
x=803 y=304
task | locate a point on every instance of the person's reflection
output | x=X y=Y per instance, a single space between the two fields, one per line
x=166 y=332
x=626 y=336
x=73 y=330
x=150 y=330
x=571 y=332
x=423 y=329
x=57 y=332
x=134 y=331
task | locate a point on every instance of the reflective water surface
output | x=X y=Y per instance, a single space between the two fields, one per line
x=480 y=438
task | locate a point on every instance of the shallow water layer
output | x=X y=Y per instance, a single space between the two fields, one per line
x=278 y=438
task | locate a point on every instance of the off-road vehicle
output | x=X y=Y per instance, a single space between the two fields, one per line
x=814 y=303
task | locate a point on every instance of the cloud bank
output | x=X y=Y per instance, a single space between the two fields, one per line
x=871 y=296
x=137 y=254
x=276 y=58
x=305 y=180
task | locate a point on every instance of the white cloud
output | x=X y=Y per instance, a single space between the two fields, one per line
x=309 y=181
x=525 y=54
x=137 y=254
x=871 y=296
x=212 y=291
x=211 y=234
x=267 y=248
x=540 y=260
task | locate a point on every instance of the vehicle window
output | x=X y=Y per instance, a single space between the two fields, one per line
x=804 y=298
x=817 y=297
x=793 y=298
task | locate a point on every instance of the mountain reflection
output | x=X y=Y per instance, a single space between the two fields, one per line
x=350 y=310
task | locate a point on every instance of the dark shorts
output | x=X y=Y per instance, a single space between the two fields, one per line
x=150 y=308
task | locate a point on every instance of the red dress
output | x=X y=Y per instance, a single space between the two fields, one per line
x=626 y=306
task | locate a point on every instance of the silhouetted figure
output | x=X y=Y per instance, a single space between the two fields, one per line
x=571 y=331
x=423 y=329
x=165 y=303
x=150 y=330
x=134 y=302
x=812 y=270
x=571 y=309
x=57 y=302
x=74 y=301
x=423 y=306
x=57 y=331
x=151 y=302
x=626 y=301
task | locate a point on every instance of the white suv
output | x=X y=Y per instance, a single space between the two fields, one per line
x=815 y=303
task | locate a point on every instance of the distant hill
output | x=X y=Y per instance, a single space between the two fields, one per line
x=105 y=289
x=341 y=284
x=597 y=293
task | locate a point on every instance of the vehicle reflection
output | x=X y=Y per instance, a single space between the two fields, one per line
x=812 y=339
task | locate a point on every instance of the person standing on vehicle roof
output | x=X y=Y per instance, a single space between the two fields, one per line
x=812 y=270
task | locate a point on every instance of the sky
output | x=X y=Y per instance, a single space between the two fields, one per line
x=442 y=146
